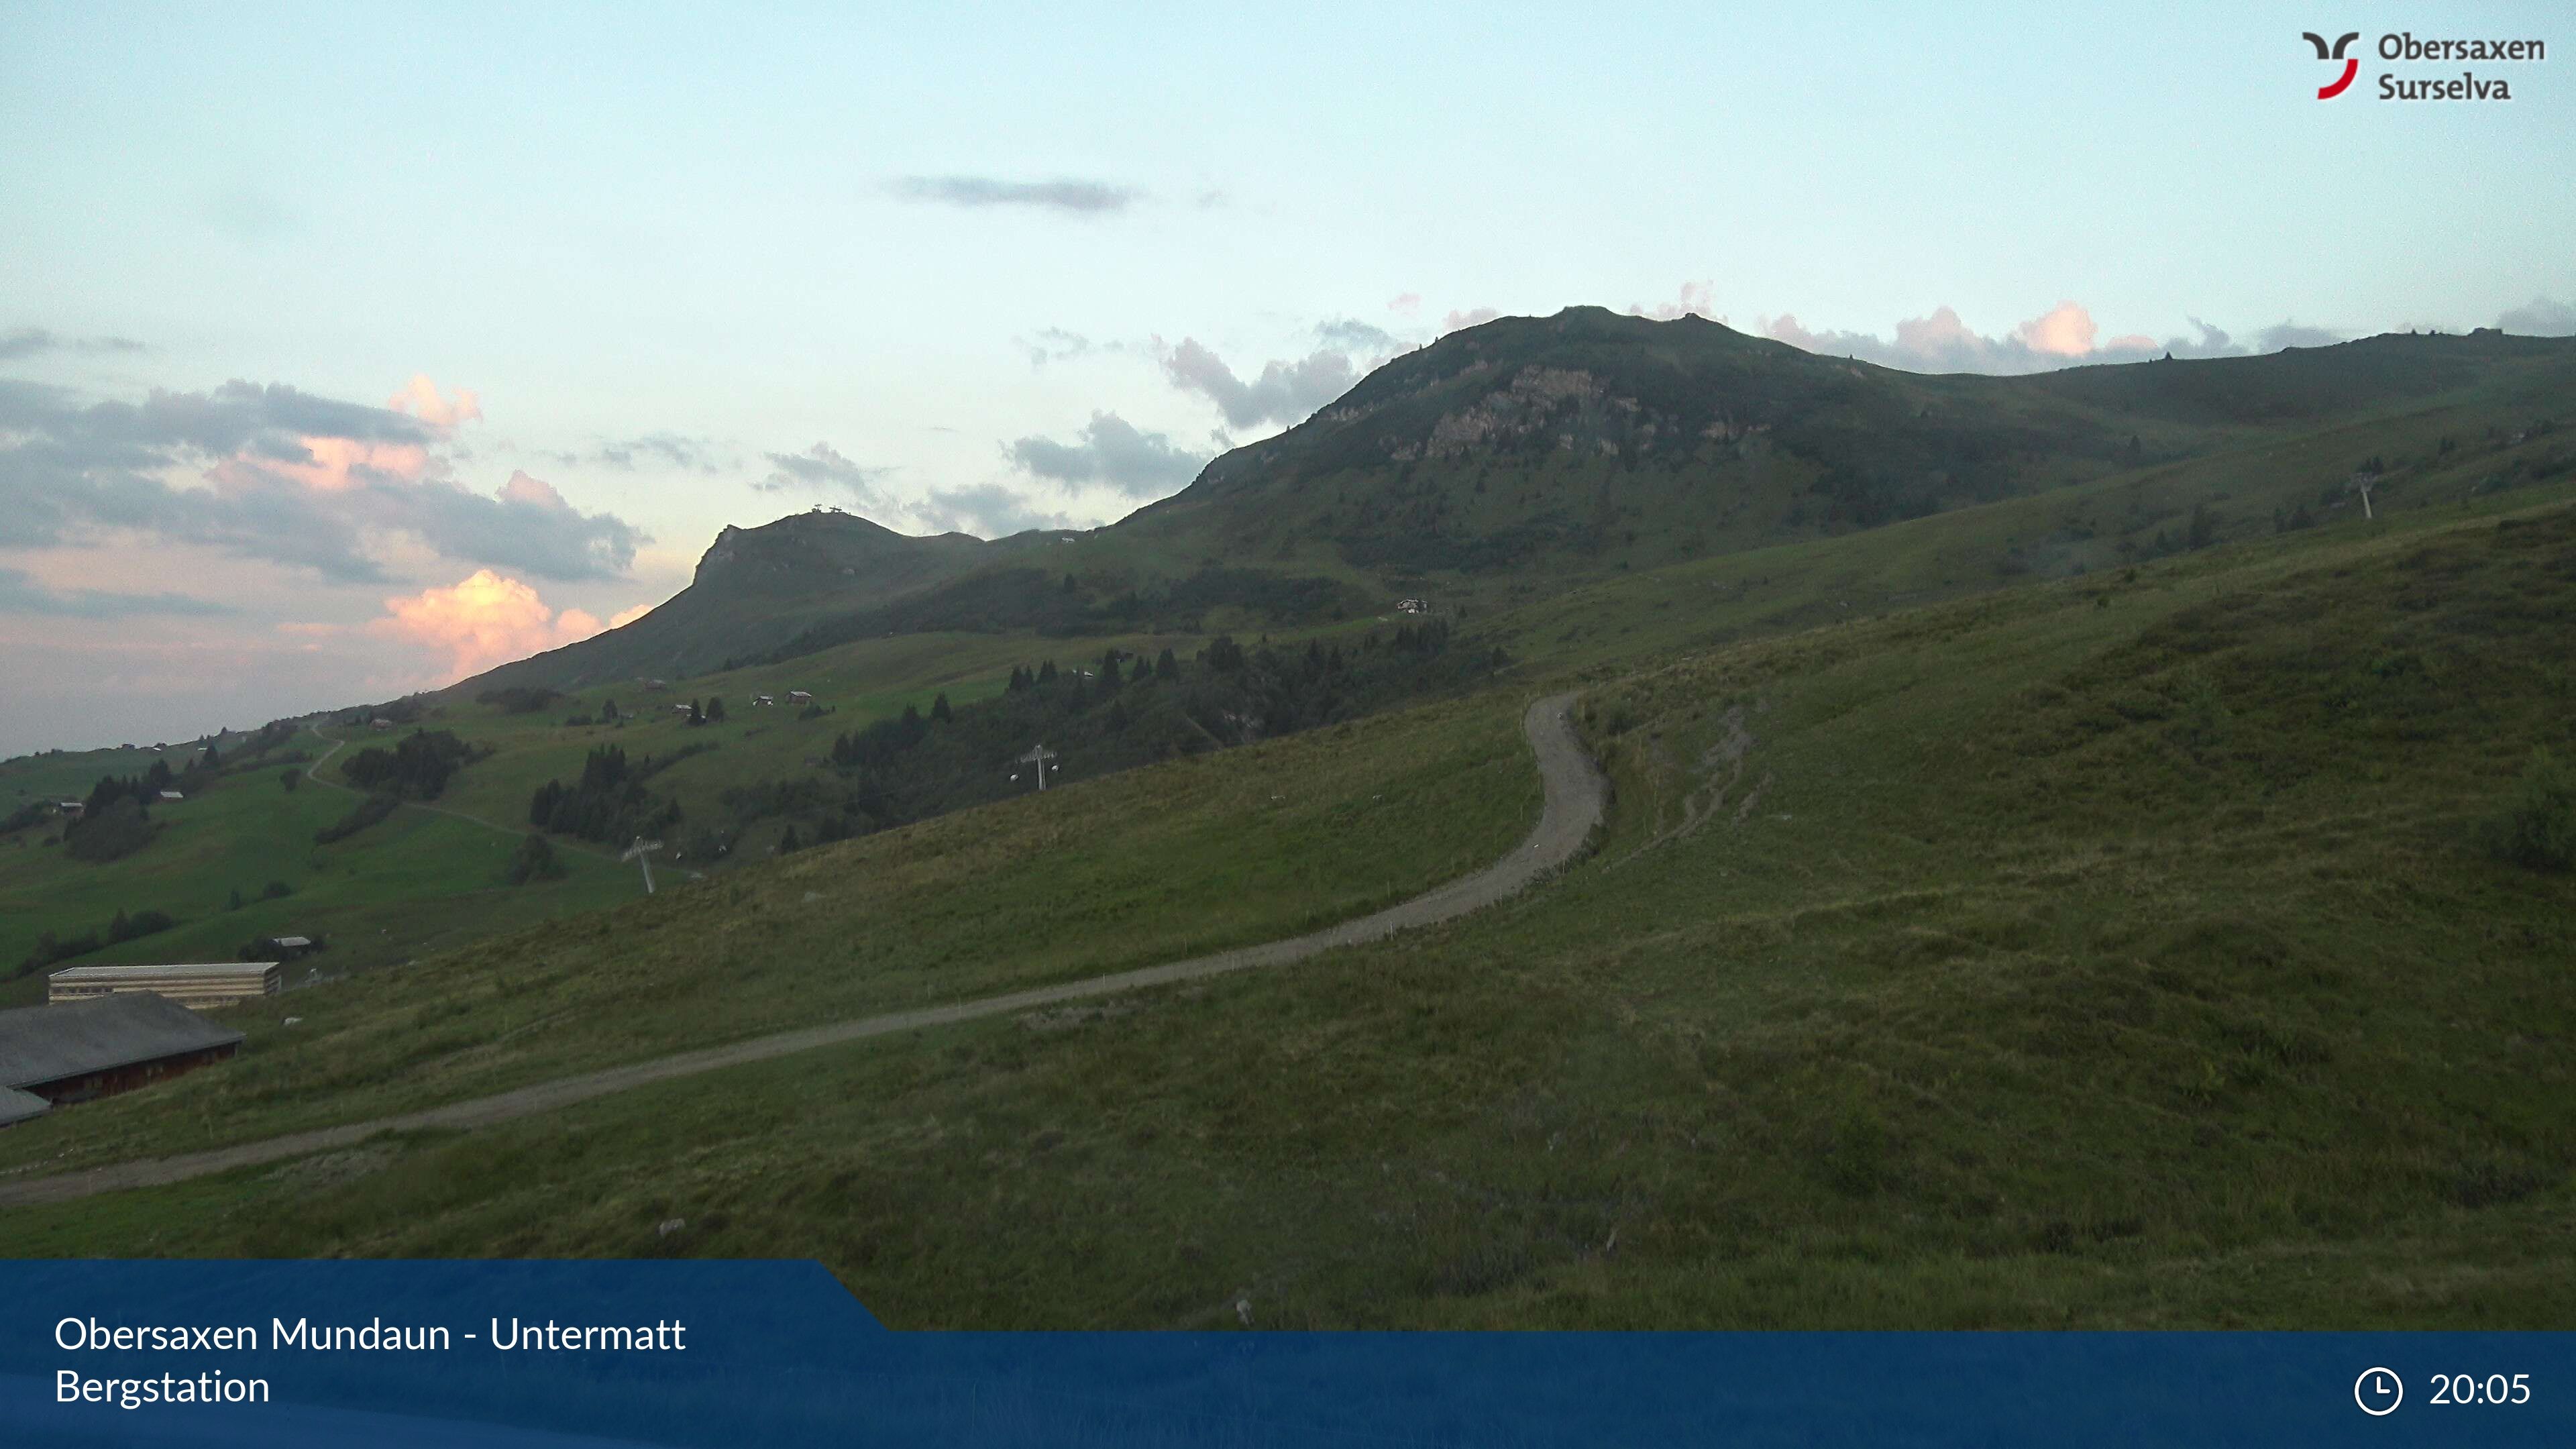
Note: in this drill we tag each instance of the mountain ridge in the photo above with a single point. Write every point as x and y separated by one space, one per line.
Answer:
1515 457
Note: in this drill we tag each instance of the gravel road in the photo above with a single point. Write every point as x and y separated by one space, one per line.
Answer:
1576 801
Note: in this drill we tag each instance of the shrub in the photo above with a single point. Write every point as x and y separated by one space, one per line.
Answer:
518 699
2538 829
141 923
534 860
111 833
49 950
276 890
367 812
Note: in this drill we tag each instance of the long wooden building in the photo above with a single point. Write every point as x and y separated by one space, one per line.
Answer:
203 986
54 1055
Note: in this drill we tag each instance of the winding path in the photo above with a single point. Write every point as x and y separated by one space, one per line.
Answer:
1576 802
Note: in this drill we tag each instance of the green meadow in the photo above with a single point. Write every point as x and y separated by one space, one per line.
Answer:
2127 948
1201 855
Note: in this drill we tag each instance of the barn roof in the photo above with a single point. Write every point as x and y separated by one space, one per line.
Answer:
49 1043
247 971
17 1106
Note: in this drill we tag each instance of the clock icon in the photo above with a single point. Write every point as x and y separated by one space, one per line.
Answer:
2378 1392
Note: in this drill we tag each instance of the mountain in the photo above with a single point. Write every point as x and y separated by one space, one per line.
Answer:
1518 458
755 589
1590 440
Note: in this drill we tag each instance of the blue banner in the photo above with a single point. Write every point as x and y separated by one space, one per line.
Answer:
779 1354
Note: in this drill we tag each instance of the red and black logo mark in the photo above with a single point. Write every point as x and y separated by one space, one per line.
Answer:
2351 67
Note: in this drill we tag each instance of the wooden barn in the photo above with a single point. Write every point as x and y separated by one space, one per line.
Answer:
58 1055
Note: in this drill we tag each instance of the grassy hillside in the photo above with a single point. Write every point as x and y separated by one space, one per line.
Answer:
425 881
2119 950
415 882
1200 855
2458 426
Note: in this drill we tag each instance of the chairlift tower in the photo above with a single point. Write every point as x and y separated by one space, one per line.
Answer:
641 852
1038 755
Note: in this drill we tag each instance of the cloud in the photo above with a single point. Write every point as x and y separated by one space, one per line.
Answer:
284 476
29 341
1473 317
658 450
2065 330
987 510
2540 317
1073 197
624 617
2063 336
822 467
1054 344
21 594
1352 335
1695 299
2286 333
1404 304
1285 392
1113 451
483 620
532 493
420 398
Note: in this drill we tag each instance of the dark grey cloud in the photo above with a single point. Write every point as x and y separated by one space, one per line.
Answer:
286 476
30 341
1285 392
2540 317
663 450
20 594
822 468
1113 451
552 541
1075 197
987 510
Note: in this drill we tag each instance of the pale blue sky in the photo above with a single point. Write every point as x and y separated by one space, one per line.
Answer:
625 223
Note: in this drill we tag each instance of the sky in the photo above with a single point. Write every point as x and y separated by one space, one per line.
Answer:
346 352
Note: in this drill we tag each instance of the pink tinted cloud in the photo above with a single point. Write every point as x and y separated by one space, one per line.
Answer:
1405 304
1472 317
330 465
2065 330
1940 341
483 620
420 398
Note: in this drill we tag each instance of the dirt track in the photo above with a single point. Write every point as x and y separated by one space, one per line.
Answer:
1575 803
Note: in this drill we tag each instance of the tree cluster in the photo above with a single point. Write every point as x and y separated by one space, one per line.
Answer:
609 803
415 769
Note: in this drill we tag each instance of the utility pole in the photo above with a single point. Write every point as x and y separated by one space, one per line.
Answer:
641 852
1038 756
